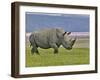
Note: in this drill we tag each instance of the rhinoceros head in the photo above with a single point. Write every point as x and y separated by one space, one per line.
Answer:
67 41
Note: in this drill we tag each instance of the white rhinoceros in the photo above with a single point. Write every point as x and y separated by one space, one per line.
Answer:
50 38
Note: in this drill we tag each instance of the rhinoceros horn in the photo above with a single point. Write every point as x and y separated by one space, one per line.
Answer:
68 33
64 33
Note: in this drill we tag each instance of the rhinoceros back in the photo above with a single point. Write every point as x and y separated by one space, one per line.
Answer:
43 38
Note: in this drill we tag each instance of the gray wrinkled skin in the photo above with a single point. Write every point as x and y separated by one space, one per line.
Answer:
50 38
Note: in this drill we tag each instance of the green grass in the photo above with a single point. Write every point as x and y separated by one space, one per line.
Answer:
76 56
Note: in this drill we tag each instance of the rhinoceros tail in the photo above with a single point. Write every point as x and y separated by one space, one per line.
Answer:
30 39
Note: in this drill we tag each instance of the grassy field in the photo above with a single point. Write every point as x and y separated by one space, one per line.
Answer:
75 56
78 55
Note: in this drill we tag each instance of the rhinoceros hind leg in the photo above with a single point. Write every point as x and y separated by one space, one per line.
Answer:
32 51
36 51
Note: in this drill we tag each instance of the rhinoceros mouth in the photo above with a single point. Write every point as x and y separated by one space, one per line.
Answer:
69 44
73 41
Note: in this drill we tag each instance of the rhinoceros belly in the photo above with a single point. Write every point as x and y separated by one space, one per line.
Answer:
42 41
43 45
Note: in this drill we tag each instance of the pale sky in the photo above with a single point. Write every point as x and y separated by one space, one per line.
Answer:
69 22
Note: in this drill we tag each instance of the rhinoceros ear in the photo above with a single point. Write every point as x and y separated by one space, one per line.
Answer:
68 33
64 33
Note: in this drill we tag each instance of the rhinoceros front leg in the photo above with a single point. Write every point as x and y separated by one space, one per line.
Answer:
55 47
